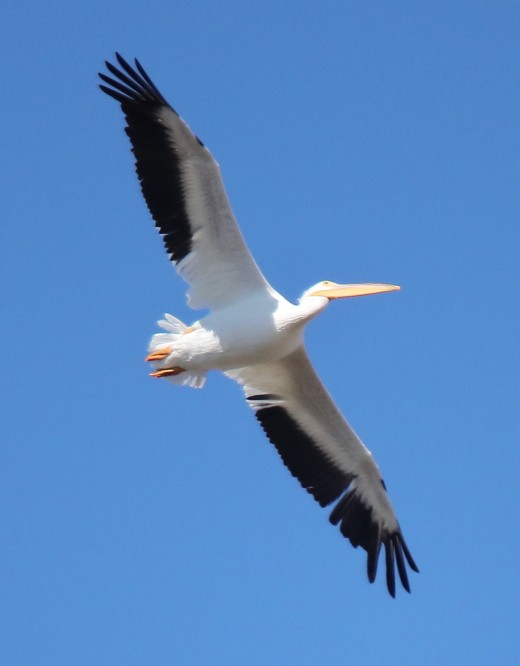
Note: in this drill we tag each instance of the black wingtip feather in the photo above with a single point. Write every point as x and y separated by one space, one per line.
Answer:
110 92
401 567
390 567
137 86
408 556
373 555
126 94
148 80
123 63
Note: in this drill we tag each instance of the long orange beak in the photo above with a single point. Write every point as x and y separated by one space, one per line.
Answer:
350 290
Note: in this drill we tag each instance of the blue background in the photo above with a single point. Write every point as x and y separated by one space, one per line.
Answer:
143 523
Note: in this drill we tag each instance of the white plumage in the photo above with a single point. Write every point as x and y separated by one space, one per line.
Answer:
252 333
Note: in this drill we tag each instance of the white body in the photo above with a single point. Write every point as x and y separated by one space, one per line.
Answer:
263 328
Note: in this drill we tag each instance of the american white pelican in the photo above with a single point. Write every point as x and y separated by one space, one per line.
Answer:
252 333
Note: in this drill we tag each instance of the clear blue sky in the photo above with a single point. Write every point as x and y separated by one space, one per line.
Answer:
143 523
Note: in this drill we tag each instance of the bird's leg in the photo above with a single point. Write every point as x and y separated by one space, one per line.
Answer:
167 372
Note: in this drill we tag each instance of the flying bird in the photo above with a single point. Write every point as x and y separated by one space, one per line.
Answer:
252 333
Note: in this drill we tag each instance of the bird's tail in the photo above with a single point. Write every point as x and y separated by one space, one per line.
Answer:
162 342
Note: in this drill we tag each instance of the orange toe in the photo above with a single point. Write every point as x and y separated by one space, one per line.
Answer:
167 372
159 354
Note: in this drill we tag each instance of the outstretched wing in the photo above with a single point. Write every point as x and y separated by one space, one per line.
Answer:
183 189
326 456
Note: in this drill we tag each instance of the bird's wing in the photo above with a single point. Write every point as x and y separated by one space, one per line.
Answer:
326 456
183 189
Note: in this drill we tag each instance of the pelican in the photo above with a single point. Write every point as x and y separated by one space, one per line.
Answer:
252 333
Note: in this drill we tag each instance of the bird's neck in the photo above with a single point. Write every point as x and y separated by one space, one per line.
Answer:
309 306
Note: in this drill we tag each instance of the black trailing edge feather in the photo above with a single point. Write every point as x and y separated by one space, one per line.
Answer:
302 457
157 164
326 483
